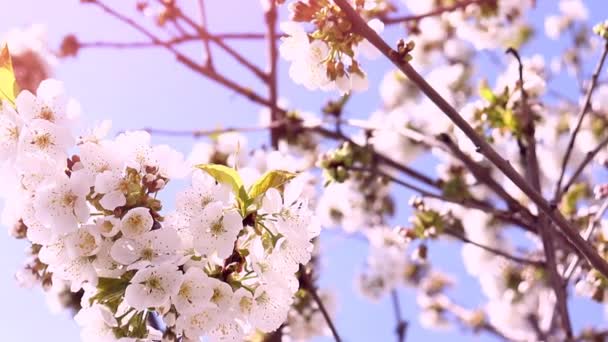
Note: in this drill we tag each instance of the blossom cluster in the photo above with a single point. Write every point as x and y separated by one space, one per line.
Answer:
223 264
328 58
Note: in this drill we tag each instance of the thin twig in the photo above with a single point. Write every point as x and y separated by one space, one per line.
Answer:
571 233
136 45
581 116
310 287
210 74
387 161
593 223
220 43
401 328
588 158
207 132
203 15
517 259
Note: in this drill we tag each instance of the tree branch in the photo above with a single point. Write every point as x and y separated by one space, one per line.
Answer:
210 74
310 287
545 227
204 34
571 233
517 259
203 15
581 116
273 58
402 324
588 158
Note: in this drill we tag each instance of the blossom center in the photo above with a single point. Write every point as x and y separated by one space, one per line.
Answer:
43 141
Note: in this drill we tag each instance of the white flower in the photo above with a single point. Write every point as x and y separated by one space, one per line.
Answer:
216 230
26 278
194 292
136 150
151 248
10 129
49 104
554 25
136 222
153 286
209 319
104 264
170 162
107 226
113 186
307 67
62 204
204 191
599 100
270 308
83 243
44 137
97 324
221 293
100 157
195 325
574 9
234 145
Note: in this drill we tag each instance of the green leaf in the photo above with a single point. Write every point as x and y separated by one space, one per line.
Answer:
223 174
8 84
271 179
228 175
486 93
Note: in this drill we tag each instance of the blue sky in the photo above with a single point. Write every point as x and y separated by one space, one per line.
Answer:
146 88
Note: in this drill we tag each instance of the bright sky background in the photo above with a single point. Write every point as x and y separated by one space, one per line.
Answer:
146 88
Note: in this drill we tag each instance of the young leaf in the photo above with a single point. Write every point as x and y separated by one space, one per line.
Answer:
486 93
271 179
226 175
8 84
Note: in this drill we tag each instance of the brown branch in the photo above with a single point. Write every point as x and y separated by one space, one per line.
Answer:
273 59
203 15
220 43
402 324
545 227
387 161
483 175
202 133
517 259
440 10
469 203
307 284
136 45
571 233
581 116
593 223
588 158
210 74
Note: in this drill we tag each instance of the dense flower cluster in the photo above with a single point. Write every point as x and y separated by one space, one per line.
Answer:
223 264
327 58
